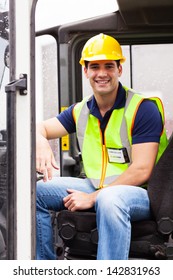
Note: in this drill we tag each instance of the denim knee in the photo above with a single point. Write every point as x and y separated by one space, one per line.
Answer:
111 199
106 199
129 200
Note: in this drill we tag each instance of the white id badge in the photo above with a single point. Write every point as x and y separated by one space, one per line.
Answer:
118 155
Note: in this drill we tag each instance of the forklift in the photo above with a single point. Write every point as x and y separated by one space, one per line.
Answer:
145 31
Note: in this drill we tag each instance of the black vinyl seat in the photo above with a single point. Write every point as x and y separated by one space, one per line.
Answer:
151 239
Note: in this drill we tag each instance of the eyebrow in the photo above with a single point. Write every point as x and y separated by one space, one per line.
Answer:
107 63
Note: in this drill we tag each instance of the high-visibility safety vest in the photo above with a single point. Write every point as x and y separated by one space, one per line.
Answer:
102 154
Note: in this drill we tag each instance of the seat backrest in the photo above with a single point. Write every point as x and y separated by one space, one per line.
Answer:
160 188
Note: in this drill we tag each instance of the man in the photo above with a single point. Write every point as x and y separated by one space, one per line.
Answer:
121 136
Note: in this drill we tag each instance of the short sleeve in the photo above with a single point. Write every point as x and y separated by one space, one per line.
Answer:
148 123
66 119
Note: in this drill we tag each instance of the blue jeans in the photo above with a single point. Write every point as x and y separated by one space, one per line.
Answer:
115 208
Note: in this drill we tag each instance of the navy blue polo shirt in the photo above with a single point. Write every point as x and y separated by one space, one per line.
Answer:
147 126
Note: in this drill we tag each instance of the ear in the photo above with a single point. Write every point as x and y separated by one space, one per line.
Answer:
86 72
120 70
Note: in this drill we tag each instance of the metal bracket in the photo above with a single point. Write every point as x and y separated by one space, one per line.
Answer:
20 84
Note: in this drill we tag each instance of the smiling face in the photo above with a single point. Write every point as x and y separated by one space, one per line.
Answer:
103 76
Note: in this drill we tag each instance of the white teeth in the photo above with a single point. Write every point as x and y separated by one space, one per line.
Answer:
102 82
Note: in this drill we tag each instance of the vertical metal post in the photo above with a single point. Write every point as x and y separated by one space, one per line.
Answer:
21 132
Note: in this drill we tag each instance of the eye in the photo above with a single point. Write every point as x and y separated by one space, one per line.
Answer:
110 66
94 66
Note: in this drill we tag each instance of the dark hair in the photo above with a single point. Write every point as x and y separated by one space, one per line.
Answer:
86 63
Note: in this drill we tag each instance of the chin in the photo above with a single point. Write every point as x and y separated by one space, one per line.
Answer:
103 93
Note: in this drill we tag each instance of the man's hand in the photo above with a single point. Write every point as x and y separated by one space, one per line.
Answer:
47 130
45 161
77 200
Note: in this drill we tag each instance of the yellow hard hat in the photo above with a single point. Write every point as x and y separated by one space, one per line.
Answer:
101 47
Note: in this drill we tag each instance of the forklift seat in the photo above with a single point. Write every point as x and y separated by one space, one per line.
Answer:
151 239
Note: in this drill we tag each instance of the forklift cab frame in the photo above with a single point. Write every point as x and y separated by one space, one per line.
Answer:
137 26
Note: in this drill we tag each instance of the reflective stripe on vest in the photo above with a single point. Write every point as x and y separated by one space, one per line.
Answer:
118 134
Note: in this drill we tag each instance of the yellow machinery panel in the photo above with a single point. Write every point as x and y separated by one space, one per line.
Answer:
64 139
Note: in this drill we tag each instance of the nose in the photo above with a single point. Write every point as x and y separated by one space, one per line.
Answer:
102 72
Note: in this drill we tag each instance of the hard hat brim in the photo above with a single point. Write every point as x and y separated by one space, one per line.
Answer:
102 57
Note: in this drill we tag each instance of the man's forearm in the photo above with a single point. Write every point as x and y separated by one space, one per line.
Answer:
134 176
